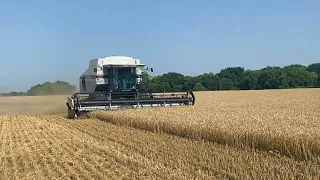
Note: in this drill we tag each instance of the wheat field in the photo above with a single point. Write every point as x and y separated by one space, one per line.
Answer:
271 134
283 121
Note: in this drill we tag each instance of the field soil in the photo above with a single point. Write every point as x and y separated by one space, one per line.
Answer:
201 142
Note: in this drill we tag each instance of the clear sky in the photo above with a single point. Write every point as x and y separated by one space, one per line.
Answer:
54 40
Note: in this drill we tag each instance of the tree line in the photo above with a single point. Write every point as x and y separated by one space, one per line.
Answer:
47 88
237 78
230 78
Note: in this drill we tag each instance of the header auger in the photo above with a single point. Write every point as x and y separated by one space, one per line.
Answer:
114 83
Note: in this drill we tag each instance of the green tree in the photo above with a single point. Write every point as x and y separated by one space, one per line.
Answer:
227 84
234 74
13 93
315 68
48 88
172 82
283 80
145 80
299 76
189 83
210 81
199 87
250 80
269 78
158 84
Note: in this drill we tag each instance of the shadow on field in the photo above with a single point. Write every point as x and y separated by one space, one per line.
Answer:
300 149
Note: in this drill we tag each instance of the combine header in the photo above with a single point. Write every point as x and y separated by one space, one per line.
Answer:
115 83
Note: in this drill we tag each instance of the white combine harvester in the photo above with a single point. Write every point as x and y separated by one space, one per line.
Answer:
114 83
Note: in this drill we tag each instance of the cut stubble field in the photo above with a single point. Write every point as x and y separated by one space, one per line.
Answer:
271 134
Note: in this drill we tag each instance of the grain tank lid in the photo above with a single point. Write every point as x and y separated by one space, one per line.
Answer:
121 61
124 65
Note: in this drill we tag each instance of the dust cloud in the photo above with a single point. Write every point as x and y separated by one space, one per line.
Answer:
33 105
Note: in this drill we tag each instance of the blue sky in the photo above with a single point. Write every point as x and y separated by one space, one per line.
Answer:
54 40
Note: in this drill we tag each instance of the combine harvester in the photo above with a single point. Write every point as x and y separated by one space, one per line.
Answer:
115 83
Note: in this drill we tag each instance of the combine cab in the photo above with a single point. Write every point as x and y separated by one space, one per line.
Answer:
114 83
